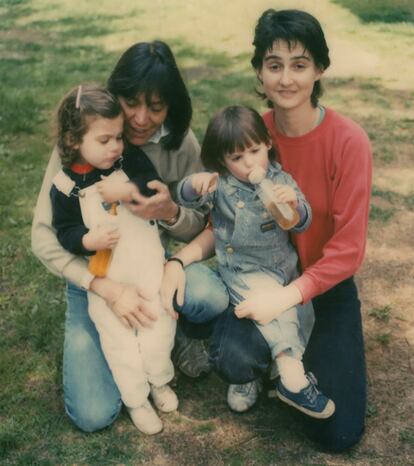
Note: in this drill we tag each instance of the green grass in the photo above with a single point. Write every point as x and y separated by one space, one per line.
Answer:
380 313
40 60
386 11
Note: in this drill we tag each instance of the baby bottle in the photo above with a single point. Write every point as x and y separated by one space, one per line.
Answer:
284 214
99 263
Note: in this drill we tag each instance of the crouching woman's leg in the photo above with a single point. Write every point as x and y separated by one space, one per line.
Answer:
238 351
335 354
92 399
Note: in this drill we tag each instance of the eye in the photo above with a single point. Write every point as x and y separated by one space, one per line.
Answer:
300 66
104 141
274 66
131 102
119 137
158 107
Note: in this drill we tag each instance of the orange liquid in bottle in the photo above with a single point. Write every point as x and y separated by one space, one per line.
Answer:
284 214
99 263
279 212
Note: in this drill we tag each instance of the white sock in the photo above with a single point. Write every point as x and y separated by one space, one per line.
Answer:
292 373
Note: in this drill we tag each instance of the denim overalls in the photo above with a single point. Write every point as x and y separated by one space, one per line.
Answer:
253 251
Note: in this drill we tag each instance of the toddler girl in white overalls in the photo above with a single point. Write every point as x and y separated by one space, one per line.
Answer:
90 124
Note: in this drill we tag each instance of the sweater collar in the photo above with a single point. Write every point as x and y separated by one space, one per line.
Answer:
82 169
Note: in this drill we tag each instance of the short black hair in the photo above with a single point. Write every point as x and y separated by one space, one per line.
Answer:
150 68
232 129
291 26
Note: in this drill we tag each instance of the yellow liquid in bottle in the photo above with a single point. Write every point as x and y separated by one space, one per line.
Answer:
99 263
286 216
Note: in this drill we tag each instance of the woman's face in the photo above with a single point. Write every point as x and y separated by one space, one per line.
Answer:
142 120
288 75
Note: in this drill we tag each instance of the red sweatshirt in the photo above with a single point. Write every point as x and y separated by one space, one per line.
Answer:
332 164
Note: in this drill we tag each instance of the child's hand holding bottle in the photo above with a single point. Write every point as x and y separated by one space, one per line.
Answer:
286 194
278 199
101 237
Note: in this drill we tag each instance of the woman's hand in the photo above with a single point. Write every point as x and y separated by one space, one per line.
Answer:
130 305
173 281
160 206
267 304
286 194
133 307
101 237
112 191
204 182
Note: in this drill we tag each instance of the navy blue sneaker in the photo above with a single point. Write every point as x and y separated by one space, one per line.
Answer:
309 400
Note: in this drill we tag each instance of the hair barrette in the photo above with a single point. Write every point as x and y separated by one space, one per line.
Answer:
78 96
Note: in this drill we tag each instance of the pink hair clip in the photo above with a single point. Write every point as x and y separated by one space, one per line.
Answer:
78 96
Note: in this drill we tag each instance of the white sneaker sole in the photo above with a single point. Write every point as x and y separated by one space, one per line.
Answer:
328 411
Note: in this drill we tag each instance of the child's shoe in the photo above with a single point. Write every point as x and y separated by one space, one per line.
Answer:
309 400
242 397
164 398
146 419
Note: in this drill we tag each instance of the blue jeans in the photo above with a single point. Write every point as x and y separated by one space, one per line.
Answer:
92 399
335 354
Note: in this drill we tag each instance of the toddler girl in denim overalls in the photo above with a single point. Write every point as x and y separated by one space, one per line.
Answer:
253 252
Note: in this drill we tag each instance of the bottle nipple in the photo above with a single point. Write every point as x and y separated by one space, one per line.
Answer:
257 175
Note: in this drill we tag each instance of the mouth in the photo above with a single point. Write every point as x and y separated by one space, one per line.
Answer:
112 160
284 93
139 131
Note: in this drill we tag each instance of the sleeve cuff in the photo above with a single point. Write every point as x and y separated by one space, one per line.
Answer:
307 288
86 280
176 224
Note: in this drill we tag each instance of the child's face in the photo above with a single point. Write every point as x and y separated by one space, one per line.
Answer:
241 163
102 144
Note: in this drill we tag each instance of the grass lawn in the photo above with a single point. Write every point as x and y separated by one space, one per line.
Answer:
387 11
47 47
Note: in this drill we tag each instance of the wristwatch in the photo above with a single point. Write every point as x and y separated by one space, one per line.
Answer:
173 220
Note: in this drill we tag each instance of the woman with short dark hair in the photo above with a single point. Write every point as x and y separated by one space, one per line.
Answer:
329 157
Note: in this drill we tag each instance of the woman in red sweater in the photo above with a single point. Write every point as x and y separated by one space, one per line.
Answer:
329 156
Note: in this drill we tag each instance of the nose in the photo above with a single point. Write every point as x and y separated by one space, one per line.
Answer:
117 145
141 115
249 162
285 77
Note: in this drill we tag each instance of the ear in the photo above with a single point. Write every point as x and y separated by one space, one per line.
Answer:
259 75
319 73
70 142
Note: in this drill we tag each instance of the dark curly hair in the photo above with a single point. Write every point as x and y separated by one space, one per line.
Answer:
232 129
73 122
291 26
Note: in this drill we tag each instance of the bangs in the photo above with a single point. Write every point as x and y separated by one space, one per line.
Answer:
238 137
153 81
